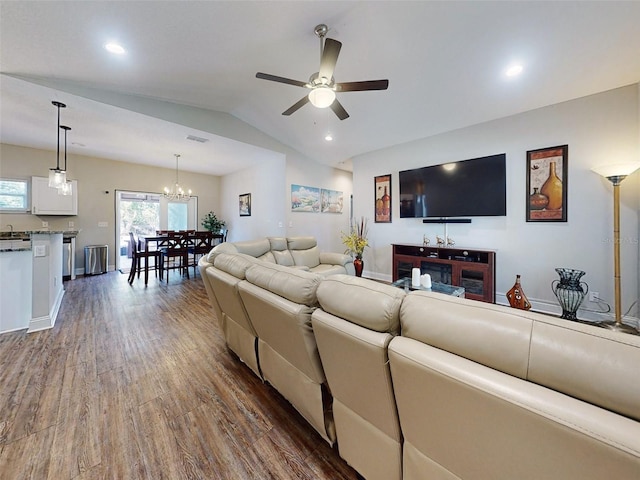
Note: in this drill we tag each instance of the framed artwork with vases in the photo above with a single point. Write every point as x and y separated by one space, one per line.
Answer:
547 184
382 186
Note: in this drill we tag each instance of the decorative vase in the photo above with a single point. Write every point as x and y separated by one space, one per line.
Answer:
537 201
379 205
570 291
386 203
516 297
552 189
359 265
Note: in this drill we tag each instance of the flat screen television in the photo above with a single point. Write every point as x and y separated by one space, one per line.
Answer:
467 188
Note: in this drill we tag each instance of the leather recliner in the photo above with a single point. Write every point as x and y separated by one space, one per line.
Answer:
356 322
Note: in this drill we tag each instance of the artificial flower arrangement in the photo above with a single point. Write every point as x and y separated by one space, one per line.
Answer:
356 240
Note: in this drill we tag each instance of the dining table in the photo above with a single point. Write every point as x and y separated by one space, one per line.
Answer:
196 242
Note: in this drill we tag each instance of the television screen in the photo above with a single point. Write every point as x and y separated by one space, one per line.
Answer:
468 188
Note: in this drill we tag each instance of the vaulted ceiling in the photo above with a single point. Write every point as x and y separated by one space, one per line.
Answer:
445 62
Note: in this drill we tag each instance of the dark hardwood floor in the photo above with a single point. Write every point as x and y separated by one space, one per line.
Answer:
137 383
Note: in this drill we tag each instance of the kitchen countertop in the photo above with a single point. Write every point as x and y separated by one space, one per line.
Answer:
21 241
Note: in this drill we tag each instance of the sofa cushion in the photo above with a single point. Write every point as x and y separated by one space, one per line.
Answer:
255 248
370 304
221 248
304 251
234 264
293 284
278 243
592 364
325 269
582 361
493 335
301 243
279 251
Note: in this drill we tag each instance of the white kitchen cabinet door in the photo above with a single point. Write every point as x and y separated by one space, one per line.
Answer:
46 201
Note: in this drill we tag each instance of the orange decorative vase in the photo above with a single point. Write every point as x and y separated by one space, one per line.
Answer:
359 265
552 189
537 201
516 297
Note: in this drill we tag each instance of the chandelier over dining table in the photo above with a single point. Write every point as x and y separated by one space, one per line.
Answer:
176 192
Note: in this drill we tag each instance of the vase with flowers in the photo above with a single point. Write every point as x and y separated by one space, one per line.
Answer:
356 242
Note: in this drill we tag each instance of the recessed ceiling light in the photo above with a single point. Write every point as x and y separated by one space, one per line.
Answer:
328 137
115 48
513 71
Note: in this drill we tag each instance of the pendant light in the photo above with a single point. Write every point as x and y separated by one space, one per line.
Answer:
67 187
177 193
57 177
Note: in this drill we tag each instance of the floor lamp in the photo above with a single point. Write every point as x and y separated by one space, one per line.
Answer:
615 173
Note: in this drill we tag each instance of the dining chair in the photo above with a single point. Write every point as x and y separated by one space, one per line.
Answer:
174 253
201 244
137 254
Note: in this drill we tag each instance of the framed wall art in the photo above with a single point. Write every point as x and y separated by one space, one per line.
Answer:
305 199
245 204
331 201
547 184
382 191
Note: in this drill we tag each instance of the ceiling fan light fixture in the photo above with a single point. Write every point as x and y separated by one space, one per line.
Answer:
322 96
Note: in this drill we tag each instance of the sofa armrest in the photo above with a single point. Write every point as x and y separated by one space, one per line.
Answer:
332 258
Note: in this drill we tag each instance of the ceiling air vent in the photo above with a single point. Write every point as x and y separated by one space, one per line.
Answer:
197 139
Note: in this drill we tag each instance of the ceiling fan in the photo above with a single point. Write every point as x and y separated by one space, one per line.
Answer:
322 84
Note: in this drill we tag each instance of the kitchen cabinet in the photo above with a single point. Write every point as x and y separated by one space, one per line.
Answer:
472 269
46 201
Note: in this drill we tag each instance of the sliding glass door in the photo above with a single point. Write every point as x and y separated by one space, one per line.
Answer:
143 213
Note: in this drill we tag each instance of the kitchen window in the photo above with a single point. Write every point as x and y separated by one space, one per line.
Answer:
14 195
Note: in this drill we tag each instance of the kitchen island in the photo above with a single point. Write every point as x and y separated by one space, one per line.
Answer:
31 288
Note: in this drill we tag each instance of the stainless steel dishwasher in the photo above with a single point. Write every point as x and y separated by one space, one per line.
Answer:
68 258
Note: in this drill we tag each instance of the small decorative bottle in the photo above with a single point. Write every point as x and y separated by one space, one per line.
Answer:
516 297
386 203
379 206
552 189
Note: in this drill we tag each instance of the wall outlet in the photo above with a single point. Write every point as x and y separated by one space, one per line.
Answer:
594 296
103 224
72 224
45 224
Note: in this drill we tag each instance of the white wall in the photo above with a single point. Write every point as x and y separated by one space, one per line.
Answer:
265 184
598 129
326 227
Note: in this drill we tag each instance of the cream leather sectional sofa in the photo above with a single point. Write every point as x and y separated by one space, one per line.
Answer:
427 386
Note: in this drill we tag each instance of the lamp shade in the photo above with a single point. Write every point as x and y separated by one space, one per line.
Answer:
322 96
616 169
57 177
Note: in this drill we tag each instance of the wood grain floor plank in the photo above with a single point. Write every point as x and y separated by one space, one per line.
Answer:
76 447
136 382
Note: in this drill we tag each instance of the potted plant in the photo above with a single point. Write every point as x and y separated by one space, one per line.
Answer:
210 222
356 242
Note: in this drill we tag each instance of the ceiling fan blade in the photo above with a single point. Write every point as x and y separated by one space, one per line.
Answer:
329 58
299 104
339 110
275 78
362 86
